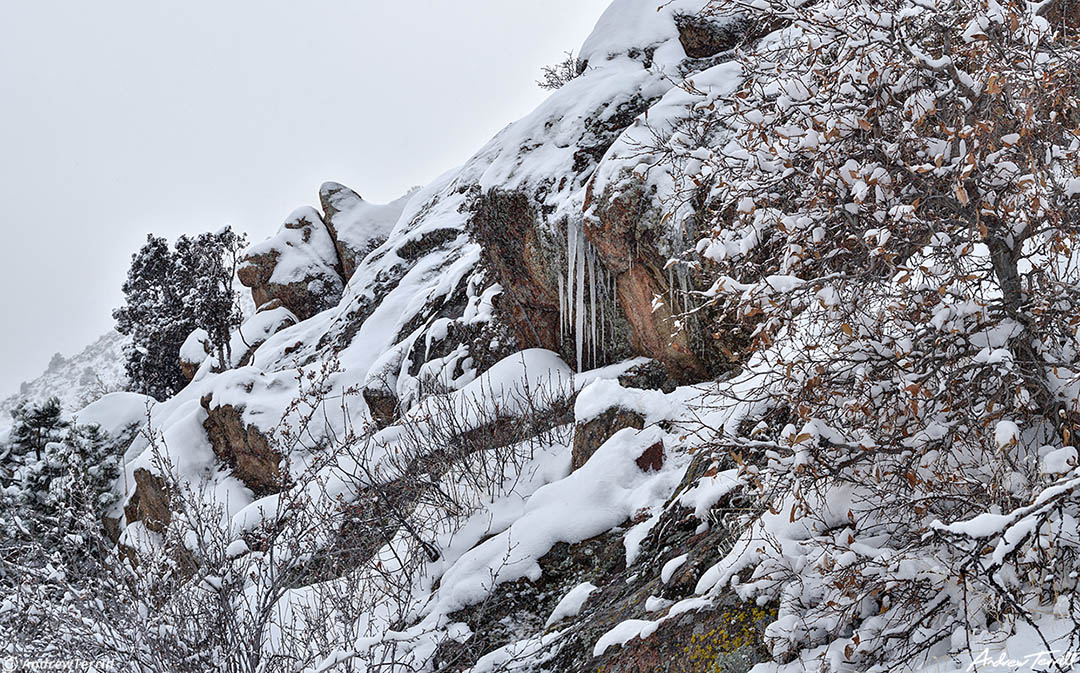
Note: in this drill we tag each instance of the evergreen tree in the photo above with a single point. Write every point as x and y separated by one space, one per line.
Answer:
153 317
36 426
171 292
51 504
83 456
209 260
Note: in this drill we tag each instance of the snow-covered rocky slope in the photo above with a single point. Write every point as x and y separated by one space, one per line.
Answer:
76 381
484 300
487 428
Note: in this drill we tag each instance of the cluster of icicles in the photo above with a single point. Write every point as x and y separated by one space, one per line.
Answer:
586 299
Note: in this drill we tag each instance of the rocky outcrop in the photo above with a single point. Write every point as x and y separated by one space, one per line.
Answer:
193 353
357 227
652 458
649 375
188 368
727 637
430 241
149 505
268 321
244 448
721 640
516 253
299 266
515 250
625 230
271 319
589 435
702 37
149 502
382 404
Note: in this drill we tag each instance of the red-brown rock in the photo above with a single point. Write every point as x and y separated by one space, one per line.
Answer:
244 448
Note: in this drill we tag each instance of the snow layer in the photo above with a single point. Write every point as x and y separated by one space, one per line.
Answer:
606 491
303 248
570 605
359 225
604 394
116 412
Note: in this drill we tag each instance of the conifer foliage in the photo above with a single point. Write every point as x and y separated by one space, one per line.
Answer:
56 479
36 425
170 293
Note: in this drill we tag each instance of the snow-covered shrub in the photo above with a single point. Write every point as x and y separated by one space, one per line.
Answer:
556 75
475 439
337 556
895 198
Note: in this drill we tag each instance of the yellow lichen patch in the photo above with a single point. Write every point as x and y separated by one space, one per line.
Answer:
731 645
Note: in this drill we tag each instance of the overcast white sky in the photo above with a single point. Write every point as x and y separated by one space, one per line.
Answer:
123 117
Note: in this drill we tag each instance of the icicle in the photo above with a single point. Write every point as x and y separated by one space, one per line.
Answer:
602 291
592 304
571 259
671 291
684 283
614 303
579 304
609 324
562 309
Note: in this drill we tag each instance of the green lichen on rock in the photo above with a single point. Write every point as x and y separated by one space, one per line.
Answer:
733 645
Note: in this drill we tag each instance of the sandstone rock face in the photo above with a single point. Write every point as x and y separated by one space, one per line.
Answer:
149 503
652 458
189 368
625 232
357 227
382 404
299 266
244 448
517 257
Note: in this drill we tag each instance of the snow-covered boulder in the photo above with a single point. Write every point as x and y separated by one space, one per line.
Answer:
116 413
299 266
357 227
193 352
243 446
